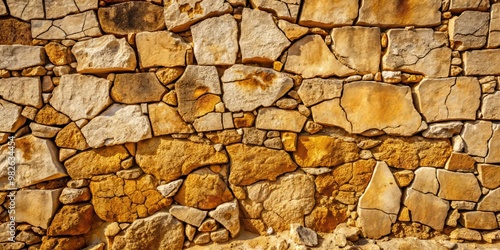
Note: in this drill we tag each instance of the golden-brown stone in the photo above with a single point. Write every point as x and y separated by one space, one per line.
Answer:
72 220
49 116
58 54
96 161
71 137
460 162
324 151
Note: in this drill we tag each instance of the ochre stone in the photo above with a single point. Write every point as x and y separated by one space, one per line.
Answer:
96 161
325 151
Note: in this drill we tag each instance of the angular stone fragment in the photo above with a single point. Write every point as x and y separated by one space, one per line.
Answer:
469 30
49 116
448 98
71 137
117 125
465 234
189 215
292 31
316 90
324 151
72 220
490 202
250 164
137 88
216 41
479 220
81 96
43 131
166 120
168 159
443 130
58 54
481 62
284 9
490 107
70 27
458 186
228 214
476 136
494 146
303 235
319 13
310 57
425 180
131 17
103 55
427 209
74 195
208 122
13 119
99 161
494 31
460 162
36 161
26 9
391 13
420 51
161 48
14 31
489 175
46 203
170 189
461 5
179 15
257 46
281 120
18 57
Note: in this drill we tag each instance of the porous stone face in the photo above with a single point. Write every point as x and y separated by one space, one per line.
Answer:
22 90
58 54
137 88
180 15
13 31
46 203
161 48
26 9
216 41
448 98
246 88
72 220
99 161
313 91
70 27
489 175
318 150
103 55
18 57
253 163
420 51
389 13
458 186
131 17
319 13
71 137
427 208
166 120
49 116
257 46
168 159
494 31
278 119
469 30
481 62
461 5
490 107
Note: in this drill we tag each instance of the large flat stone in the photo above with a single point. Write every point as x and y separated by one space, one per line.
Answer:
284 9
479 220
22 90
18 57
461 5
316 90
161 48
137 88
476 135
458 186
469 30
99 161
393 13
490 202
494 31
26 9
74 26
427 209
279 119
489 175
319 13
131 17
324 151
490 107
481 62
46 203
180 15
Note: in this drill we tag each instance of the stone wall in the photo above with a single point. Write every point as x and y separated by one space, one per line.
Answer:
164 124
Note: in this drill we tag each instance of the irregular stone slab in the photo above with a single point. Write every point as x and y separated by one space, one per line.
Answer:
72 220
246 88
196 90
166 120
131 17
461 5
469 30
281 120
479 220
58 54
358 48
96 162
228 214
163 230
460 162
161 48
465 234
319 13
427 209
491 202
104 55
26 9
330 113
18 57
216 41
481 62
170 189
443 130
490 107
458 186
324 151
179 15
476 136
137 88
60 8
117 125
316 90
310 57
494 146
494 31
168 159
421 51
74 195
70 27
81 96
391 13
46 203
208 122
189 215
250 164
257 46
425 180
22 90
489 175
49 116
43 131
284 9
14 31
455 98
292 31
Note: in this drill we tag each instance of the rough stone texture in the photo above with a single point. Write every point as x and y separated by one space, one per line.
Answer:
469 30
278 119
490 202
46 203
168 159
180 15
18 57
313 91
420 51
443 130
61 8
390 13
303 235
58 54
479 220
250 164
71 137
461 162
70 27
319 13
137 88
292 31
494 146
13 31
228 215
461 5
49 116
481 62
465 234
131 17
425 180
490 107
476 135
216 41
74 195
494 31
117 125
14 120
22 90
284 9
458 186
166 120
316 151
72 220
448 98
489 175
161 48
189 215
99 161
26 9
427 209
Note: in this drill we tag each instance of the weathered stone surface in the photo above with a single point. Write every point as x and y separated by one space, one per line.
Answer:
208 122
284 9
413 152
103 55
162 229
58 54
168 75
26 9
246 88
292 31
358 48
420 51
285 201
117 125
96 162
279 119
203 189
324 151
22 90
303 235
74 195
220 235
469 30
458 186
13 118
443 130
319 13
161 48
13 31
168 159
216 41
261 40
60 8
427 209
72 220
476 135
316 90
228 214
70 27
461 5
494 31
49 116
310 57
189 215
250 164
425 180
81 96
71 137
489 175
59 243
481 62
490 107
43 131
448 98
460 162
131 17
494 145
179 15
479 220
137 88
3 9
390 13
490 202
18 57
166 120
465 234
46 203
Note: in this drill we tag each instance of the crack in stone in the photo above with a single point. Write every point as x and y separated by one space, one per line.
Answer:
448 95
421 57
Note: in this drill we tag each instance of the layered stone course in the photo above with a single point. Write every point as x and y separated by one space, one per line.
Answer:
169 124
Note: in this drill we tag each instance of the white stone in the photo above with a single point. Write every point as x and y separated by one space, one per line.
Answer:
70 27
443 129
170 189
319 13
18 57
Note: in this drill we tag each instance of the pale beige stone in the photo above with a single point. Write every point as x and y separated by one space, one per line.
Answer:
330 113
489 175
281 120
313 91
494 146
490 202
18 57
208 122
479 220
323 151
476 136
161 48
228 214
284 9
427 208
189 215
46 203
3 9
43 131
425 180
70 27
26 9
458 186
166 120
443 129
137 88
390 13
57 9
74 195
490 107
461 5
465 234
481 62
469 30
22 90
494 31
292 31
180 15
319 13
170 189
